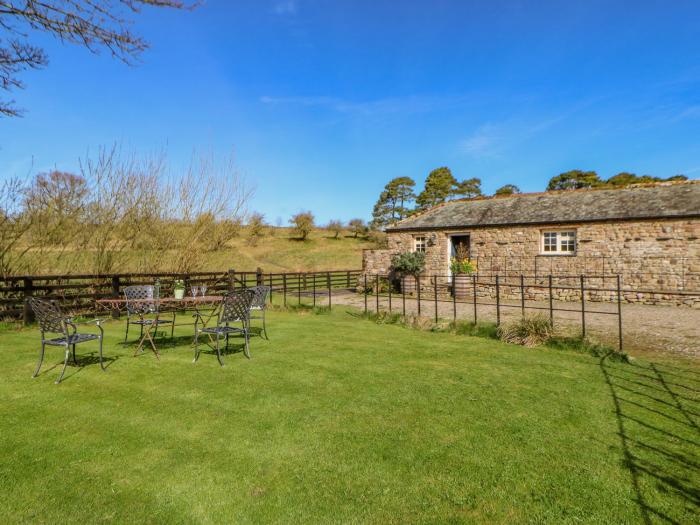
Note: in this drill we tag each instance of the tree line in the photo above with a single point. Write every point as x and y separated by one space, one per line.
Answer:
126 213
398 199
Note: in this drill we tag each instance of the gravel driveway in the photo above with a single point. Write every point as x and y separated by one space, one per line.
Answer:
645 328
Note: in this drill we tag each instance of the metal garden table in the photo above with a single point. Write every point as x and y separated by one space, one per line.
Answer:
205 307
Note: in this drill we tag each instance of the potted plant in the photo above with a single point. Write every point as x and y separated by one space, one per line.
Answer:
407 266
179 289
462 267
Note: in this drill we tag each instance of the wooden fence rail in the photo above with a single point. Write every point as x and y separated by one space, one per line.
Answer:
78 293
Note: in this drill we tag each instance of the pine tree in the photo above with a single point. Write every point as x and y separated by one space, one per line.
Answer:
439 186
393 202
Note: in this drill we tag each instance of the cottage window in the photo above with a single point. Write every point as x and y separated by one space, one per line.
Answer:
559 242
419 243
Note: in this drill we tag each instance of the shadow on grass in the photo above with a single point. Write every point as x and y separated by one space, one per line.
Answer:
658 437
83 361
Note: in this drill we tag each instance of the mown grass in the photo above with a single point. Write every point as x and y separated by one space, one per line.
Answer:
339 420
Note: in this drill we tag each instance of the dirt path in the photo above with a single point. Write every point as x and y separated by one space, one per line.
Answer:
666 329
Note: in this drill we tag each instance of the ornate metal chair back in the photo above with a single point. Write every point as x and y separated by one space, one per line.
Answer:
48 315
139 300
260 294
236 306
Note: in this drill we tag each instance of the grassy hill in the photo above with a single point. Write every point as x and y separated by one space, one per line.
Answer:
277 250
283 252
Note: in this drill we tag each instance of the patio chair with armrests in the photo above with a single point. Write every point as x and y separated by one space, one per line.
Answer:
259 304
52 321
235 308
141 303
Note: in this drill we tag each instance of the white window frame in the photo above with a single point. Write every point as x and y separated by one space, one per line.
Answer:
420 245
561 238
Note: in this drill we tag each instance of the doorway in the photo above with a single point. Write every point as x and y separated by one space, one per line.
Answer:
459 243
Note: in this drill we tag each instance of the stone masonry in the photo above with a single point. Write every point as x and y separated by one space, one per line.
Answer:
650 255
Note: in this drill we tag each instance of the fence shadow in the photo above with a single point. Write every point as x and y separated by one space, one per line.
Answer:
659 439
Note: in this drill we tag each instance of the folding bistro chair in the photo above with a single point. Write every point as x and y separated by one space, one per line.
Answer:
140 303
52 320
259 304
235 308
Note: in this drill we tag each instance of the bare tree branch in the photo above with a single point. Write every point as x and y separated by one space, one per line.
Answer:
93 24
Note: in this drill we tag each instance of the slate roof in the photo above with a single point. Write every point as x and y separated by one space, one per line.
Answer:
638 202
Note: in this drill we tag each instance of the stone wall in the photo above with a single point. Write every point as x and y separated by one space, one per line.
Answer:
659 255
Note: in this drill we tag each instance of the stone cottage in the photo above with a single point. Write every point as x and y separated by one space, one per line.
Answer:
649 234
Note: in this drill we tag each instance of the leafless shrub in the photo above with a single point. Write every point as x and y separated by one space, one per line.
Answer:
14 226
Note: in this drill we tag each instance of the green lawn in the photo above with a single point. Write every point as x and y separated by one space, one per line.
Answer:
340 420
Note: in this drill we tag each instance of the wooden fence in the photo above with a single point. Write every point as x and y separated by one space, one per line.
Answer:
78 293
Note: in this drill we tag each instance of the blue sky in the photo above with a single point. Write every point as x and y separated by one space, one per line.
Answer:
323 101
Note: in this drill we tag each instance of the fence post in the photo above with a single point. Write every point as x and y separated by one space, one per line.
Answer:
270 283
28 313
377 291
498 301
313 289
284 288
522 294
418 290
583 309
403 298
389 294
436 301
231 279
364 292
328 282
619 311
299 287
258 276
474 298
551 305
115 295
454 302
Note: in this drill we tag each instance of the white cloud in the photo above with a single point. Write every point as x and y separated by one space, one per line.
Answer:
484 142
285 7
382 106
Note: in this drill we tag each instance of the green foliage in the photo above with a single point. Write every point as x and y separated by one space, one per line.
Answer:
438 188
462 266
440 185
587 346
178 284
408 263
533 330
487 330
625 179
577 179
468 188
303 223
574 180
508 189
393 203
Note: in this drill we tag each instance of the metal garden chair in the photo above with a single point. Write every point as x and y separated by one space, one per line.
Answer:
235 308
259 304
140 303
53 321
